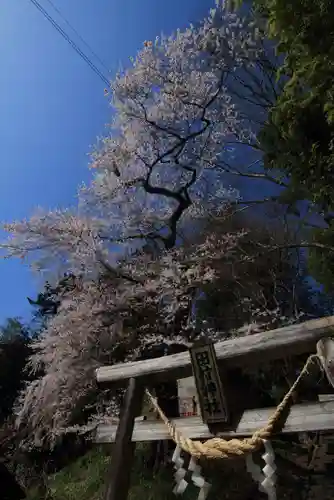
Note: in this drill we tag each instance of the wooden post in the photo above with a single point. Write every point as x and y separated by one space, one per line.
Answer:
122 456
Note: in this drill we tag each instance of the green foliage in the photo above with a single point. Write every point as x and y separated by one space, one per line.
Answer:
321 261
12 330
48 301
86 480
298 138
14 353
300 130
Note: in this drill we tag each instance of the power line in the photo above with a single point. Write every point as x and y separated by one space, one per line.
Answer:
78 35
70 41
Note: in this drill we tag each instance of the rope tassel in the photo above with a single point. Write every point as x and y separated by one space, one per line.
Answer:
266 478
221 448
196 477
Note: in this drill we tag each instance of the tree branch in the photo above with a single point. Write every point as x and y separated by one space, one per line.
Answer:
115 273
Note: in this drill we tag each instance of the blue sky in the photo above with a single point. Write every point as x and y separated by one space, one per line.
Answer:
52 105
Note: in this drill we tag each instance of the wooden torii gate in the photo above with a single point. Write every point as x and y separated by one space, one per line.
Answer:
245 351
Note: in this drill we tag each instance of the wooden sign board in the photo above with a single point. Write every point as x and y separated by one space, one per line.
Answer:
209 386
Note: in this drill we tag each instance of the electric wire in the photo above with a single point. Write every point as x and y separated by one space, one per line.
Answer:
71 42
97 57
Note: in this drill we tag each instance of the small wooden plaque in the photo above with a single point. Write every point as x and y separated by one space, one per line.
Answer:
208 383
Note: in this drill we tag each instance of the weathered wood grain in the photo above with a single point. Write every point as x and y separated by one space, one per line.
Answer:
118 480
273 344
302 418
323 398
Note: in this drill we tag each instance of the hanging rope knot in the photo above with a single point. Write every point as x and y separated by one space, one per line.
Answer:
221 448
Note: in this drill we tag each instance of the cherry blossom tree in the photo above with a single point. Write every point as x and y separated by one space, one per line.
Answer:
180 111
110 320
178 115
175 120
